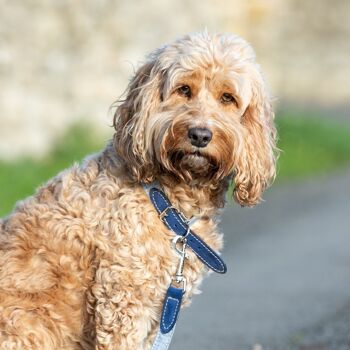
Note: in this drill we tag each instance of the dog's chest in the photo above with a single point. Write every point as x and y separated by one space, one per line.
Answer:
139 260
141 245
136 261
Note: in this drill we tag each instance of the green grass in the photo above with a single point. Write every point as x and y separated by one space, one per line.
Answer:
19 179
310 146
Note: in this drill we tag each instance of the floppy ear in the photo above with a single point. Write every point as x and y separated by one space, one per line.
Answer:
143 98
256 167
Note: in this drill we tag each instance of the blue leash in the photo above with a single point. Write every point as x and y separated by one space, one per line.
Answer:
181 226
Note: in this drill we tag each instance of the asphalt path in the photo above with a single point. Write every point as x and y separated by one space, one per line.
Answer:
288 280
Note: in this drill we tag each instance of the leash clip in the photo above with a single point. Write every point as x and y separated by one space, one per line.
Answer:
179 277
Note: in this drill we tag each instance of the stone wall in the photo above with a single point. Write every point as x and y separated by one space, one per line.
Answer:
64 61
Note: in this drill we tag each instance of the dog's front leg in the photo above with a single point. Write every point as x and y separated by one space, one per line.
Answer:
121 318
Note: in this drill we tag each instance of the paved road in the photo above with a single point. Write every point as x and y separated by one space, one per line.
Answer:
289 278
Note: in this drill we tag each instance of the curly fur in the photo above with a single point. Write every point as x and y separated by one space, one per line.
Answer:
85 262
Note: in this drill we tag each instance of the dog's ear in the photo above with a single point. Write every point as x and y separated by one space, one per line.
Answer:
256 166
143 97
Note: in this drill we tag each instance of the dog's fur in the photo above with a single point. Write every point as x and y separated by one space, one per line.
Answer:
86 261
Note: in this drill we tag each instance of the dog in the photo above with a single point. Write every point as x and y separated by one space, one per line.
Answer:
86 262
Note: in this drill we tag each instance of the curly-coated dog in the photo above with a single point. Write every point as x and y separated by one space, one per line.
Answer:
86 262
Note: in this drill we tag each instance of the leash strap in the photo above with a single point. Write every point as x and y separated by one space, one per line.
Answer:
171 308
176 222
163 341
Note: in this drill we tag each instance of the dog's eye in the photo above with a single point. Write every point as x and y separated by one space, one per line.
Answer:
227 98
184 90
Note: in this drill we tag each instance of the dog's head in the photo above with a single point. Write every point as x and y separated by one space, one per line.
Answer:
199 110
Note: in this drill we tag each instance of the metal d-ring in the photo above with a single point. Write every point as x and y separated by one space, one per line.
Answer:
180 279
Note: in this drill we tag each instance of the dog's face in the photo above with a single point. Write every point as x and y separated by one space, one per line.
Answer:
199 111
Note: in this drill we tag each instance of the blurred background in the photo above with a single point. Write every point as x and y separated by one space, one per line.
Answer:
63 63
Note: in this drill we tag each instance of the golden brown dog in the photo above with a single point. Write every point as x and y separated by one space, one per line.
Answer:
85 262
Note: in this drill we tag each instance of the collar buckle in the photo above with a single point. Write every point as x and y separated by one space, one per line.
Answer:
164 213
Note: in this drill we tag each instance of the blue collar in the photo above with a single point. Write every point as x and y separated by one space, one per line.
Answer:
180 226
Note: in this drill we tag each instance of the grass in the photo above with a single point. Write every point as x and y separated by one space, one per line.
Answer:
20 178
310 146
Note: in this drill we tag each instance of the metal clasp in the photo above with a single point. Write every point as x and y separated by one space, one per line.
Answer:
176 241
164 212
179 281
179 277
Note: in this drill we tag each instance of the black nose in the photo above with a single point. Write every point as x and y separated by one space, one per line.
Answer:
199 137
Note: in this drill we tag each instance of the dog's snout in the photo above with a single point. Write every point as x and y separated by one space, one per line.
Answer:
200 137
